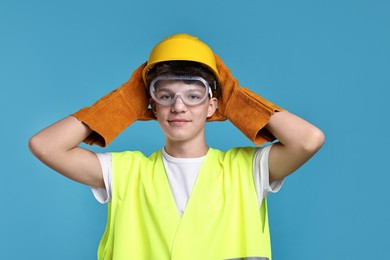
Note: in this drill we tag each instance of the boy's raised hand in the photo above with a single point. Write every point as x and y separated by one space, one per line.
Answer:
114 112
245 109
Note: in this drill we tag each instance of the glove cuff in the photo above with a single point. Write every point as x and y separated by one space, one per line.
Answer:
107 118
250 113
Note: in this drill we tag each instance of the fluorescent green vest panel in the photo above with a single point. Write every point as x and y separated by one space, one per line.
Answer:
222 219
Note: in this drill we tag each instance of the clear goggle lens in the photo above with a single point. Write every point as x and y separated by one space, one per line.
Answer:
191 90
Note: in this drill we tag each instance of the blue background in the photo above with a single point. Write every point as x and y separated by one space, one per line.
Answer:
326 61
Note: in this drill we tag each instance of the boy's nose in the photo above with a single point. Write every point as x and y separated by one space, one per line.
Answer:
178 105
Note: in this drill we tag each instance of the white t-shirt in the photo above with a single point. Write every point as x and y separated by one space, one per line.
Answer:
182 174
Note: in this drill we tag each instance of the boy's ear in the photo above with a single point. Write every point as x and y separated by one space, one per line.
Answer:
212 107
153 106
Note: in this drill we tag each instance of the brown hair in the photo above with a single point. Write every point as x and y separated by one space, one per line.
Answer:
183 68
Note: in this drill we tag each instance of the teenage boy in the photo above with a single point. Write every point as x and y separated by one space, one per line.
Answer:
187 200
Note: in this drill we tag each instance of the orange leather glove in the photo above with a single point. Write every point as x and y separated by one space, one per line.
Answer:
246 110
114 112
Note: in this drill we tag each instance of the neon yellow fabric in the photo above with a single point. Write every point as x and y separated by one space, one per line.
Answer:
222 219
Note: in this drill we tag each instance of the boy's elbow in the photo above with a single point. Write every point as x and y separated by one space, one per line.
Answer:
37 147
315 140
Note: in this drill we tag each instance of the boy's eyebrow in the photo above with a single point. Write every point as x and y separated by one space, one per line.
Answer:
192 89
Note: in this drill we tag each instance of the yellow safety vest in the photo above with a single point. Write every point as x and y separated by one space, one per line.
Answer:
222 219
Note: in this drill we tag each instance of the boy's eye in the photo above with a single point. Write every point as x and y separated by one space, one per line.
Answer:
165 97
193 97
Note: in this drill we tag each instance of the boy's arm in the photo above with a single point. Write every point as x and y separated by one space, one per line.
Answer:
262 121
57 147
298 142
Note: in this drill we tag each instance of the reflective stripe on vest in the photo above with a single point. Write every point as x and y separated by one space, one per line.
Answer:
221 220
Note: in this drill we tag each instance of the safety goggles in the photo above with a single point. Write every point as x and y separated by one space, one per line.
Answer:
191 90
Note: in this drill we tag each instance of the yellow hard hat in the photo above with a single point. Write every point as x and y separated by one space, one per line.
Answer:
181 47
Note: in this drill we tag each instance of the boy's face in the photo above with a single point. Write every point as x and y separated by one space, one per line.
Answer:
180 116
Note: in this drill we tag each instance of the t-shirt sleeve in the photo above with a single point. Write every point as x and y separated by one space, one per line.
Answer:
261 174
103 195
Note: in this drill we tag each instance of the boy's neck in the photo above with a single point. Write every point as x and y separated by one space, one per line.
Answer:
186 149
